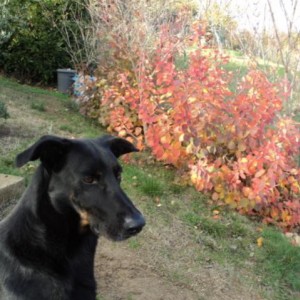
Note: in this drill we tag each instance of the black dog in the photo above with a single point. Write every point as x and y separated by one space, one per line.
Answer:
47 243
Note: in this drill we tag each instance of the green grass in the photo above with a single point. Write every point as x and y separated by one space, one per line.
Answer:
235 53
68 128
26 89
152 187
8 165
228 239
3 111
280 264
148 184
134 243
39 106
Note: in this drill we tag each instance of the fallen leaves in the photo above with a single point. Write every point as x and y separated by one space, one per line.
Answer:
259 242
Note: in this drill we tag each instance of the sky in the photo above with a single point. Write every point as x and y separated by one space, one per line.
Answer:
256 15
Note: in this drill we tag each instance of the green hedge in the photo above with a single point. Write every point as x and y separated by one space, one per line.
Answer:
31 46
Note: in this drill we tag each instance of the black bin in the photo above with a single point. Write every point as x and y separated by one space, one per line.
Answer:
65 80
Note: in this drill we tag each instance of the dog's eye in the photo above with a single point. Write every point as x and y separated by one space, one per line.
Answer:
90 179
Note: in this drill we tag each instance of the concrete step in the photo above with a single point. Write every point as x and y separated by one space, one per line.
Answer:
11 187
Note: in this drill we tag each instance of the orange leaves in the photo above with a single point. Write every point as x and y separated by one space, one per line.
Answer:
247 192
234 146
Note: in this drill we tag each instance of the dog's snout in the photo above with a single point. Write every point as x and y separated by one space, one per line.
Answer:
134 225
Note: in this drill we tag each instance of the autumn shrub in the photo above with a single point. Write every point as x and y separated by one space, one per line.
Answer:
125 30
232 144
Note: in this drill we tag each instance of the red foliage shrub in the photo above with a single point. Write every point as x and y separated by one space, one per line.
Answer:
234 145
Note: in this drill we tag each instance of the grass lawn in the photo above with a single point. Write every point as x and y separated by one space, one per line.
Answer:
189 249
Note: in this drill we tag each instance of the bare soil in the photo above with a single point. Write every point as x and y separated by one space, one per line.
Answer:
165 267
121 274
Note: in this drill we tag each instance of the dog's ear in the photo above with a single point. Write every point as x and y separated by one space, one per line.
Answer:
49 149
117 146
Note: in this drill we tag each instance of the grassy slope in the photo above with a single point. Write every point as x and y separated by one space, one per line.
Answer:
227 246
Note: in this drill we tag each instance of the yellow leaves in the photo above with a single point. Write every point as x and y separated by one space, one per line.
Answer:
210 169
295 187
252 92
229 199
165 96
101 83
285 215
219 192
189 149
191 99
181 137
216 214
122 133
244 160
260 242
194 177
219 188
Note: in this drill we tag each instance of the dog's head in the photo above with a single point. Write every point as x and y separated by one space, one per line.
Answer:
85 175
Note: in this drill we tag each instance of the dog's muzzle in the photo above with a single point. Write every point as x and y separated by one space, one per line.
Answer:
134 225
130 227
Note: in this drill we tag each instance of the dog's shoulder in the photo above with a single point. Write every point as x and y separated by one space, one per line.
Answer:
38 286
21 278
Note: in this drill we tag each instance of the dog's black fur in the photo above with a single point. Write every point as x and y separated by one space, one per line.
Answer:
48 242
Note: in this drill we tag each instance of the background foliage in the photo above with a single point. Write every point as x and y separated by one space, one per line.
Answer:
31 46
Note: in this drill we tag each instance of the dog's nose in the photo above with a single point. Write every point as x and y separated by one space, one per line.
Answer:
133 225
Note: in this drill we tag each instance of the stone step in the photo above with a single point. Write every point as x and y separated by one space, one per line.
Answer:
11 187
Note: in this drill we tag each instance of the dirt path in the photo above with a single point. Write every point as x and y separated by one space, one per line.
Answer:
123 275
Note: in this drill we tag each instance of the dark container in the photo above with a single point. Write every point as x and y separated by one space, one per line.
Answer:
65 80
